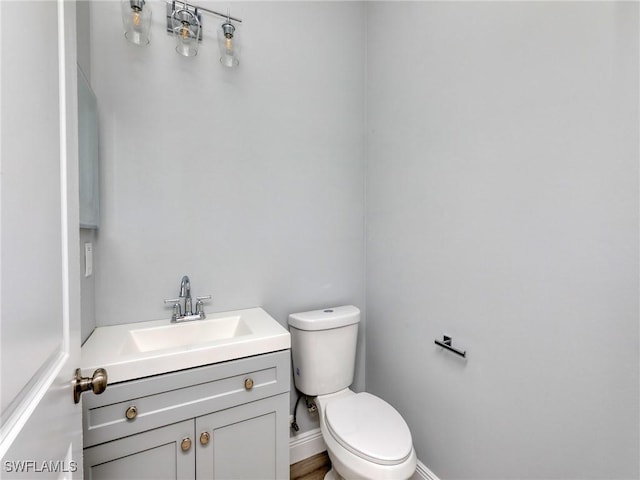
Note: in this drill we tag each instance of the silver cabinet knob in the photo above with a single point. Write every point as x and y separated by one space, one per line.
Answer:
132 412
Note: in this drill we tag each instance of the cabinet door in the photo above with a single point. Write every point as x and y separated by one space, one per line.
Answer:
155 454
249 441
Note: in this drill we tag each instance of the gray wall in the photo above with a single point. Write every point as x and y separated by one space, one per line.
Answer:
250 181
502 208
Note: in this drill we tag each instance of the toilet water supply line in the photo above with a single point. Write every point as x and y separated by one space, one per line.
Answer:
311 407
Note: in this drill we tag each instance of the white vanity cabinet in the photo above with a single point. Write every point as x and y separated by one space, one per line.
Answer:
222 421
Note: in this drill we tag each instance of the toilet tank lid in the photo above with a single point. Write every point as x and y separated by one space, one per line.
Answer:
326 318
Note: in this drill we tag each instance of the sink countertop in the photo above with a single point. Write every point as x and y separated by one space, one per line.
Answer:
107 347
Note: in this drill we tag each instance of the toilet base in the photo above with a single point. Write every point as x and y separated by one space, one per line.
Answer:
332 475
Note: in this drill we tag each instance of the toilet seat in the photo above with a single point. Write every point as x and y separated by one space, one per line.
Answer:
370 428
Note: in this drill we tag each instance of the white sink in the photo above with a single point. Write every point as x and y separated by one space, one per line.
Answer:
137 350
193 333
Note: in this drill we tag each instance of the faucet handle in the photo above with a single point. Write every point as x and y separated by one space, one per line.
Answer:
200 305
177 311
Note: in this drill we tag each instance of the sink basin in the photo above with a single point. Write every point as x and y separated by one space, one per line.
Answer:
137 350
191 333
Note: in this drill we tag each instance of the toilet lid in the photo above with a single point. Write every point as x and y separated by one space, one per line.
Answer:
369 427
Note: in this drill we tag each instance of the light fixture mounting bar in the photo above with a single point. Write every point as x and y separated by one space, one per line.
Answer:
221 15
206 10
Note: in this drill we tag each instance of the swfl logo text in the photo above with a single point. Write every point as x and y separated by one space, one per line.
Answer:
34 466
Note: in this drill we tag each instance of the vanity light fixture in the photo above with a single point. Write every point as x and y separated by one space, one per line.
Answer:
137 20
184 22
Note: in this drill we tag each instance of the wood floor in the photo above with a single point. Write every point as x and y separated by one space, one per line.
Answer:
312 468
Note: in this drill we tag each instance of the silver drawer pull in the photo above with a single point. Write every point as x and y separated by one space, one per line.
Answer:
132 412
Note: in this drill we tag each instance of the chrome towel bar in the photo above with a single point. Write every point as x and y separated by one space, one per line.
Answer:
446 343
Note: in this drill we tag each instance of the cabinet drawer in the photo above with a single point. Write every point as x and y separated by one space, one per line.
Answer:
173 397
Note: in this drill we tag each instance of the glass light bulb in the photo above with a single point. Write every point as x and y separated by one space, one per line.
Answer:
229 45
186 31
136 17
136 20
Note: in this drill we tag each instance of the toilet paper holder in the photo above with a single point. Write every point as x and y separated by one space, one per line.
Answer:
446 343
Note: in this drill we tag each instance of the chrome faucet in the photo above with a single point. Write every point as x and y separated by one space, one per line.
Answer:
185 292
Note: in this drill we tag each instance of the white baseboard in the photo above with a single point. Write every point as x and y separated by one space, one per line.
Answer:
310 443
306 445
423 473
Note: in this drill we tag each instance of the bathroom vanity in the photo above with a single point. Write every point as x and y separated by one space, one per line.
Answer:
224 420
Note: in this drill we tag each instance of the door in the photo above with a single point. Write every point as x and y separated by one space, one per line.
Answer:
41 427
163 453
249 441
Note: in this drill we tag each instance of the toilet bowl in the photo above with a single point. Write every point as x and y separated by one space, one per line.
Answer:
366 437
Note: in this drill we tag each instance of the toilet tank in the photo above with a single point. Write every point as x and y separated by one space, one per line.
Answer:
323 347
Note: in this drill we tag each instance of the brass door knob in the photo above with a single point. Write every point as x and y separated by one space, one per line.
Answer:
204 438
185 444
248 383
97 383
132 412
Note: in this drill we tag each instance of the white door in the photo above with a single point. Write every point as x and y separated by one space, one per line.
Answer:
41 431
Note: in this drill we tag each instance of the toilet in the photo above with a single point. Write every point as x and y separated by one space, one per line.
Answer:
366 437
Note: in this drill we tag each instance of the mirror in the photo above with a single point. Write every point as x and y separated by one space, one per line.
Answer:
88 154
